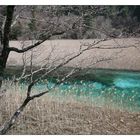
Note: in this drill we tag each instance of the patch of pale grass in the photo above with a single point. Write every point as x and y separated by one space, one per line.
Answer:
51 115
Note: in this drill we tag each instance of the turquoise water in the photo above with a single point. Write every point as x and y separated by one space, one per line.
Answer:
113 88
117 89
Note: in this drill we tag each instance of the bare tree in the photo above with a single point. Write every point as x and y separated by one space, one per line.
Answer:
46 67
48 70
5 49
51 67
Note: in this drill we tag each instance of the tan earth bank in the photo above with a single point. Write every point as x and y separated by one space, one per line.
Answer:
124 58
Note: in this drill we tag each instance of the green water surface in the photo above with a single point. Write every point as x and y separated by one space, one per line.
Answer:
120 89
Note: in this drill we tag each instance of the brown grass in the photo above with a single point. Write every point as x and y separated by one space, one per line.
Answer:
50 115
126 58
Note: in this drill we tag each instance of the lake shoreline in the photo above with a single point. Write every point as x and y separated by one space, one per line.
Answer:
92 69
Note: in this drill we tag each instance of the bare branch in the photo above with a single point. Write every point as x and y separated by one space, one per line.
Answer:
30 97
34 45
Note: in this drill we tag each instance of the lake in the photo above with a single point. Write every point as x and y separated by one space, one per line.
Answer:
103 87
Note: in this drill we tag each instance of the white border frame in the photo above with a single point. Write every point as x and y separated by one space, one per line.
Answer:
69 2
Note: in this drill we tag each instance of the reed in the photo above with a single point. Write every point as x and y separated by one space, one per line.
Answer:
50 115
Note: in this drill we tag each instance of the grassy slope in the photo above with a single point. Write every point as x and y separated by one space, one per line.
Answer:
49 115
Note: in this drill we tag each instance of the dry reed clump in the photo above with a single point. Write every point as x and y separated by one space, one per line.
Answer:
49 115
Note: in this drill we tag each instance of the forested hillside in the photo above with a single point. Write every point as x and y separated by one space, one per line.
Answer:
79 22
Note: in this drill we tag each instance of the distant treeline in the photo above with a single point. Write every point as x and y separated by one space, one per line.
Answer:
78 22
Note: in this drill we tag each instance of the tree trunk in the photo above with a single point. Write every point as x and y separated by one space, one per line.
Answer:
4 40
4 129
3 60
1 76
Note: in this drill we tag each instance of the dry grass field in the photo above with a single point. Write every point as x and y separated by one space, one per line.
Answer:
50 115
127 58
